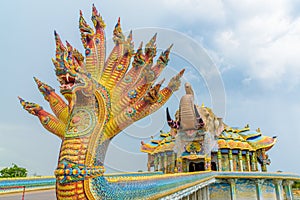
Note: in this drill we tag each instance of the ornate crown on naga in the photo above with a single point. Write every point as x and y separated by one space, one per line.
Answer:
104 94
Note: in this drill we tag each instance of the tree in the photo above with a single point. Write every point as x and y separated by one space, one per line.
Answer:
14 171
296 185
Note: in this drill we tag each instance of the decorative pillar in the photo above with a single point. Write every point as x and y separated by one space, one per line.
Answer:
179 165
259 183
148 167
187 164
160 162
248 161
207 161
165 162
254 161
149 162
278 189
263 165
173 162
225 162
230 160
288 189
232 183
155 162
219 160
241 160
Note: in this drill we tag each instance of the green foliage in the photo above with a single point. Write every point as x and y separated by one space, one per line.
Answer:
14 171
296 185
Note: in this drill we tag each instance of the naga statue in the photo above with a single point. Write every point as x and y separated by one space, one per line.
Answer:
194 123
104 96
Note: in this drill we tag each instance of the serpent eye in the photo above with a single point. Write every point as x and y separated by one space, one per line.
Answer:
87 51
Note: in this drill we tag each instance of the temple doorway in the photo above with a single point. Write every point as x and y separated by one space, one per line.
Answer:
194 167
213 166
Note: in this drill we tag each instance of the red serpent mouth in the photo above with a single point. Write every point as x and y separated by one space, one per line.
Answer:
67 82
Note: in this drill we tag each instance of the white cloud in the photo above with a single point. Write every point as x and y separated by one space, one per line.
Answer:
264 42
278 61
262 39
247 81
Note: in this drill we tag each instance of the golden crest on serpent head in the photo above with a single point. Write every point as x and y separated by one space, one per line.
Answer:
69 67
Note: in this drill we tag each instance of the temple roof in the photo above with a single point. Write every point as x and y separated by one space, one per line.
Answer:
164 142
230 138
244 138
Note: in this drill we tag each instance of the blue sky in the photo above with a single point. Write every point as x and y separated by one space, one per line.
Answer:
254 45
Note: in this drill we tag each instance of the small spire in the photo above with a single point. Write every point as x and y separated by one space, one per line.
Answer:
167 52
59 45
170 47
97 19
118 25
22 101
94 9
129 37
56 64
141 45
181 73
83 26
150 49
69 45
118 35
152 41
38 82
139 51
154 37
56 35
43 87
164 56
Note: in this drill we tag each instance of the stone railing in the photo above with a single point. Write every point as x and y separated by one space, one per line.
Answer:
207 185
9 185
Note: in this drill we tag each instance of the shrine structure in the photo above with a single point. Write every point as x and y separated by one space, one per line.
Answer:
213 145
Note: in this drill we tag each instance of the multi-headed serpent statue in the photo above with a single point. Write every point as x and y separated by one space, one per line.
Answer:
104 95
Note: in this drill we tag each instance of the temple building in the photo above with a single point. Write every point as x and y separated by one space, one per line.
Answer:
200 141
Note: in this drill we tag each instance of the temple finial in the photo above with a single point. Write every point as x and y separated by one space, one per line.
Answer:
118 35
